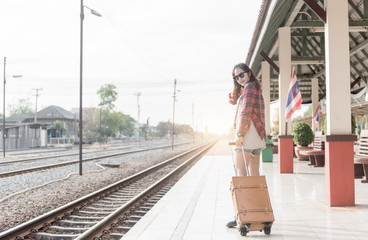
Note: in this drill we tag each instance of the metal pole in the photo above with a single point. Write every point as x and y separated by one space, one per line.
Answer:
173 122
4 109
80 91
193 121
37 89
100 127
138 94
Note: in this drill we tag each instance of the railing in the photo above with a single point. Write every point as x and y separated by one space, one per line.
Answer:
62 140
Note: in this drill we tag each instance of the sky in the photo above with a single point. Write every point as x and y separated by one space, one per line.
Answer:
139 46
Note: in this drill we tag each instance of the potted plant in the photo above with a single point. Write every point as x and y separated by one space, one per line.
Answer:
303 136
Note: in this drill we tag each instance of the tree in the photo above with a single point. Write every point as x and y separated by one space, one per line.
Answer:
162 128
108 96
114 123
24 106
127 126
59 126
183 129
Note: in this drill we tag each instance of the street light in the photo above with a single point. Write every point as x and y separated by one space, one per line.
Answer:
138 94
14 76
81 81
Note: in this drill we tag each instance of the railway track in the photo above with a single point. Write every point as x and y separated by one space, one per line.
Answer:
25 151
110 212
77 153
44 167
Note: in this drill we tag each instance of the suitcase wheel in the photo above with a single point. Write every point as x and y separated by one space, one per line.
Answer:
267 230
243 231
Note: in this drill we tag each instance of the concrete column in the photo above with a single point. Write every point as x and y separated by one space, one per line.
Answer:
284 76
286 146
314 101
339 152
266 94
337 68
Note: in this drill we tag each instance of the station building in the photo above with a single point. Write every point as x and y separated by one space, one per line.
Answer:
38 130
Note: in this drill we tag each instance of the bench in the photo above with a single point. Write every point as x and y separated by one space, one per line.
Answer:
361 159
317 155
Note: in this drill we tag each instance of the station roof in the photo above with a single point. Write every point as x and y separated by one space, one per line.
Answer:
307 43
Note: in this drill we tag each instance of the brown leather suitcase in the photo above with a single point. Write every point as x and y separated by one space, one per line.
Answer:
252 204
251 201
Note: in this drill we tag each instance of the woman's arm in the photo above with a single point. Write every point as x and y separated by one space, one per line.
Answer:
232 99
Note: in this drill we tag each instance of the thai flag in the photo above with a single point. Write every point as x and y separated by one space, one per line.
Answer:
316 114
294 99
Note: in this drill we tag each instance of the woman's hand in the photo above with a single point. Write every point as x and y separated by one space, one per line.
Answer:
239 141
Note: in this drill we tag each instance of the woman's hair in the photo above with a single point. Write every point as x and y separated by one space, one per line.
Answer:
237 87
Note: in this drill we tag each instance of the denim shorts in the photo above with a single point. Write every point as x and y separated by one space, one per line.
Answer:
254 152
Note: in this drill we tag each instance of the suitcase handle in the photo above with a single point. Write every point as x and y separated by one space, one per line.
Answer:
245 160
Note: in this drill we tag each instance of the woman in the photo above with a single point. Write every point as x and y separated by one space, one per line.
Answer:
250 124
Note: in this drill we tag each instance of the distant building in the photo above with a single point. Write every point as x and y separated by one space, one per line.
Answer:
53 113
38 130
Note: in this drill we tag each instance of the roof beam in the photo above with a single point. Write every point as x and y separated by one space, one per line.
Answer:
358 47
318 26
355 82
320 12
309 34
307 24
304 60
269 60
353 51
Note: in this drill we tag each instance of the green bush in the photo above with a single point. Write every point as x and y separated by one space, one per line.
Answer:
303 134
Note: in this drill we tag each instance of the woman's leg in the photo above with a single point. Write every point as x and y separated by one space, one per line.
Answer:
253 165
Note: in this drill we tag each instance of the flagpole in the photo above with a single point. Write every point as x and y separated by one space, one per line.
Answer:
286 125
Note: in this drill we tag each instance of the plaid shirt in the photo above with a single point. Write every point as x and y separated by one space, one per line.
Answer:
251 109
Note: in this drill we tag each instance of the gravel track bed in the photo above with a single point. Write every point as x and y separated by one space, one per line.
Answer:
14 184
30 204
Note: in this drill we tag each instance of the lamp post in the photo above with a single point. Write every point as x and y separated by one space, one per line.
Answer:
14 76
173 122
138 94
81 81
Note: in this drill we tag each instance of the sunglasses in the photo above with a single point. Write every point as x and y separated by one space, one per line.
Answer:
241 75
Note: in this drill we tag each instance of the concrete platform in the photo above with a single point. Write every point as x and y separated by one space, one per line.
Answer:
199 205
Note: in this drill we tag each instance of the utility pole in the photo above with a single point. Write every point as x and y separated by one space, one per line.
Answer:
100 135
168 129
173 122
3 130
138 94
147 128
37 95
193 121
